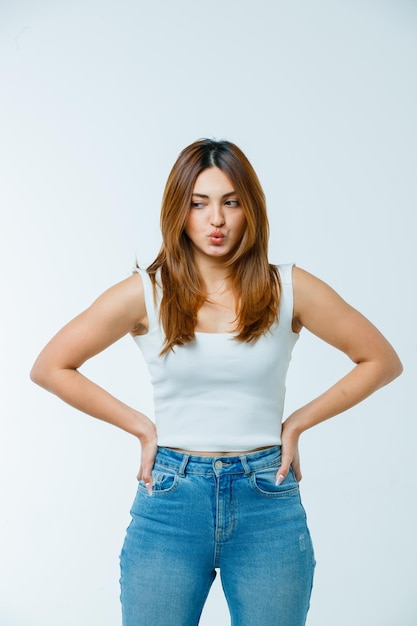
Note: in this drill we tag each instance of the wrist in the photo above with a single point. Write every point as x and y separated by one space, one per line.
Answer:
144 428
294 425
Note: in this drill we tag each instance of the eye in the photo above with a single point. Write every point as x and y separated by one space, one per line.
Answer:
197 205
232 203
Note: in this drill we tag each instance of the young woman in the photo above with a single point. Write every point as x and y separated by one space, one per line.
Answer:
216 322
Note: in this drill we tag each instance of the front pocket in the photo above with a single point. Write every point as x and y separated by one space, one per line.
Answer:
164 482
263 481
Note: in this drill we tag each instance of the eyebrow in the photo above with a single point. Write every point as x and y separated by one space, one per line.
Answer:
226 195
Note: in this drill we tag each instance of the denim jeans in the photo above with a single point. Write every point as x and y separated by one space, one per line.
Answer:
224 513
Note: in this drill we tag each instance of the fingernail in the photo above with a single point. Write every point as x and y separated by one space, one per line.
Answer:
279 480
148 488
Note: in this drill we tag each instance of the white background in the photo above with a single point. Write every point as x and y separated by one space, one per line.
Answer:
97 99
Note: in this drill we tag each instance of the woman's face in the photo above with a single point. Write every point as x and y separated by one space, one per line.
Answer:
216 221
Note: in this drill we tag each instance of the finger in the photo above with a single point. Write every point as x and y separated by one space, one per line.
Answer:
147 467
297 472
147 478
296 465
283 470
296 468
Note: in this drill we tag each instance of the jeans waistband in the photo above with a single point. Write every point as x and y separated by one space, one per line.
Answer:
209 465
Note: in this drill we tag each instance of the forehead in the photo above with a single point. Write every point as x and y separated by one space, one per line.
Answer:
212 181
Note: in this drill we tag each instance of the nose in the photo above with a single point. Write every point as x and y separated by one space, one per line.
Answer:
217 216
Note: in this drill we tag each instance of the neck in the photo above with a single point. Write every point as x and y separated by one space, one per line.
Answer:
216 278
215 273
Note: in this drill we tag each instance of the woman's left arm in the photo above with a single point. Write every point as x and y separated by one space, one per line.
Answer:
321 310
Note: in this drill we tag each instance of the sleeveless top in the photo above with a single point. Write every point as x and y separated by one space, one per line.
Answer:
216 393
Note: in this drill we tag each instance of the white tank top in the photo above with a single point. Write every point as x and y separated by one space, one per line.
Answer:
215 393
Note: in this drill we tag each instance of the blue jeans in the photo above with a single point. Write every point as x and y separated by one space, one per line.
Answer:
217 512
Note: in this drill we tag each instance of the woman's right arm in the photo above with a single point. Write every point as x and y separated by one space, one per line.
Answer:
118 311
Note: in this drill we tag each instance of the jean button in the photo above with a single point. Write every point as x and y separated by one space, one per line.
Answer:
218 464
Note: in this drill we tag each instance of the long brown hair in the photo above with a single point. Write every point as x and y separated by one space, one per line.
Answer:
254 281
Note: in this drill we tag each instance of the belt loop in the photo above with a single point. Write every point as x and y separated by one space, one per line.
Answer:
245 465
183 465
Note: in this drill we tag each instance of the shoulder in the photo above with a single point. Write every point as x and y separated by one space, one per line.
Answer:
327 315
312 296
317 306
309 288
304 280
124 302
128 290
320 309
115 313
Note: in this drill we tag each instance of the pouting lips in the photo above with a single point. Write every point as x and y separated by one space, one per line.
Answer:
216 236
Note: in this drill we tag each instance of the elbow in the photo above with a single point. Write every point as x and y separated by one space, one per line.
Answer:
40 375
383 369
393 369
48 375
397 369
36 376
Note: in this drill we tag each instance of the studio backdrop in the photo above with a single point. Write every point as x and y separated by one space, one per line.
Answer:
96 101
